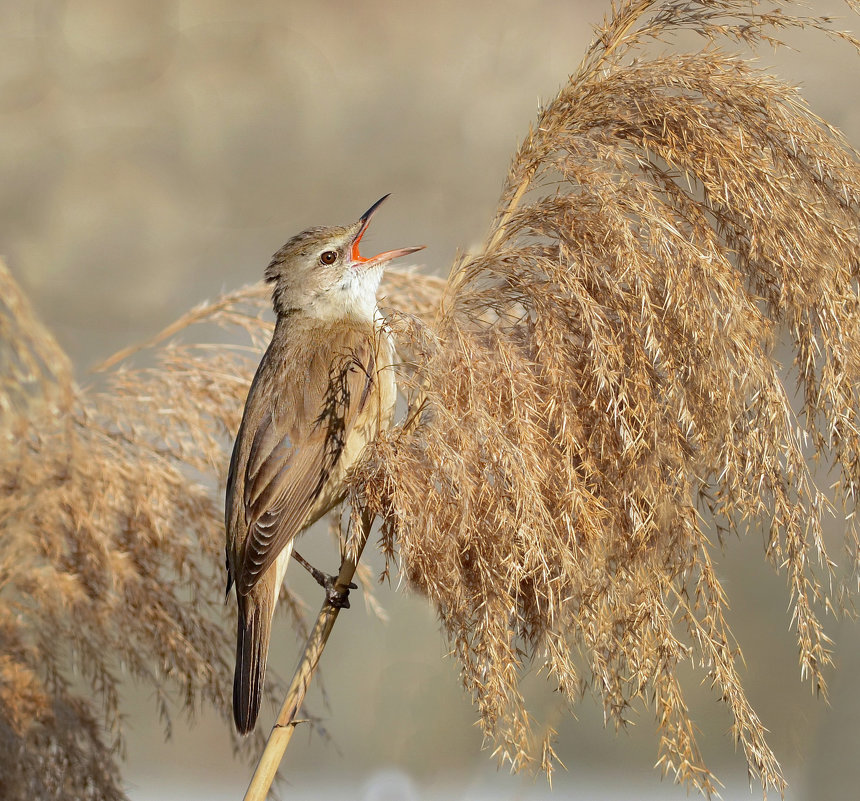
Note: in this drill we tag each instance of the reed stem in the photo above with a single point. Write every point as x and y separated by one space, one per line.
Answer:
282 731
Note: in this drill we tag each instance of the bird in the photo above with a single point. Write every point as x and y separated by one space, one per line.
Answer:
323 390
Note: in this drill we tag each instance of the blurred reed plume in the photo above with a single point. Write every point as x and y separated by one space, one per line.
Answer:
111 541
110 546
599 398
594 403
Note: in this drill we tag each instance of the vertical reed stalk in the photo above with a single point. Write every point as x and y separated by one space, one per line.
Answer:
282 731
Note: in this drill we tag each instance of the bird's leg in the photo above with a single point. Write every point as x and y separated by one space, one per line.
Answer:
337 598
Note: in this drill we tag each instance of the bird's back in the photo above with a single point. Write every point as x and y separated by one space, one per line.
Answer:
322 391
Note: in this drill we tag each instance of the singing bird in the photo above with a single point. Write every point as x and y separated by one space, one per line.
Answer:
323 390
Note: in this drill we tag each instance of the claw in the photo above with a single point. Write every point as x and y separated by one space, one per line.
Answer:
335 597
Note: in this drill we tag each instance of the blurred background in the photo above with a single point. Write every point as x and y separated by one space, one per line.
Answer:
156 152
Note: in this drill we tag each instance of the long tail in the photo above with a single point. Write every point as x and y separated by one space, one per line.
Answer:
252 644
252 649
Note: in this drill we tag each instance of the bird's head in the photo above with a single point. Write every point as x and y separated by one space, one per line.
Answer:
320 272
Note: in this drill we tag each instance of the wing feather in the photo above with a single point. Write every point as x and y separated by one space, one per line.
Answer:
293 453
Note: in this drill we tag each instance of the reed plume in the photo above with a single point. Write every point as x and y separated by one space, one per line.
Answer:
111 551
600 400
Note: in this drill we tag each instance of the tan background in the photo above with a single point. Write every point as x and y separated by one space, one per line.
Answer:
154 152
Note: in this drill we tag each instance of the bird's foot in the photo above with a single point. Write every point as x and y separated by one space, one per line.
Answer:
334 595
337 597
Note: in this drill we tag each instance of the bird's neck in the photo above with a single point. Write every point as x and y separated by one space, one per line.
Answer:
324 319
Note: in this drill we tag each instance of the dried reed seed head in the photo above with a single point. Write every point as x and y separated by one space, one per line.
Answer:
604 373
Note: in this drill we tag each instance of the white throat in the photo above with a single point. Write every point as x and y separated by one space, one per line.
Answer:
354 296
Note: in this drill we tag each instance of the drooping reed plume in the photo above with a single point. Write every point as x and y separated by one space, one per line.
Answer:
110 550
595 403
600 398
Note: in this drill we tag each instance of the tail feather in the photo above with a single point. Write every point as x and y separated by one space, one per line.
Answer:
252 642
252 647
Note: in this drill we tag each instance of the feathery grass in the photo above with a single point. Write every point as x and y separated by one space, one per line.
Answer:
600 399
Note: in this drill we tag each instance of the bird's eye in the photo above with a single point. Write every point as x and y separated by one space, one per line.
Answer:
328 257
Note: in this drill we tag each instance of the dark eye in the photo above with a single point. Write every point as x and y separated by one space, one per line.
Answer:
328 257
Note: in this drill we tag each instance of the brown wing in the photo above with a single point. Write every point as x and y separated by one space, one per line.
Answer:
290 459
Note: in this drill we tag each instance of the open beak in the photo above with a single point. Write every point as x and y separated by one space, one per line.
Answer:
382 258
